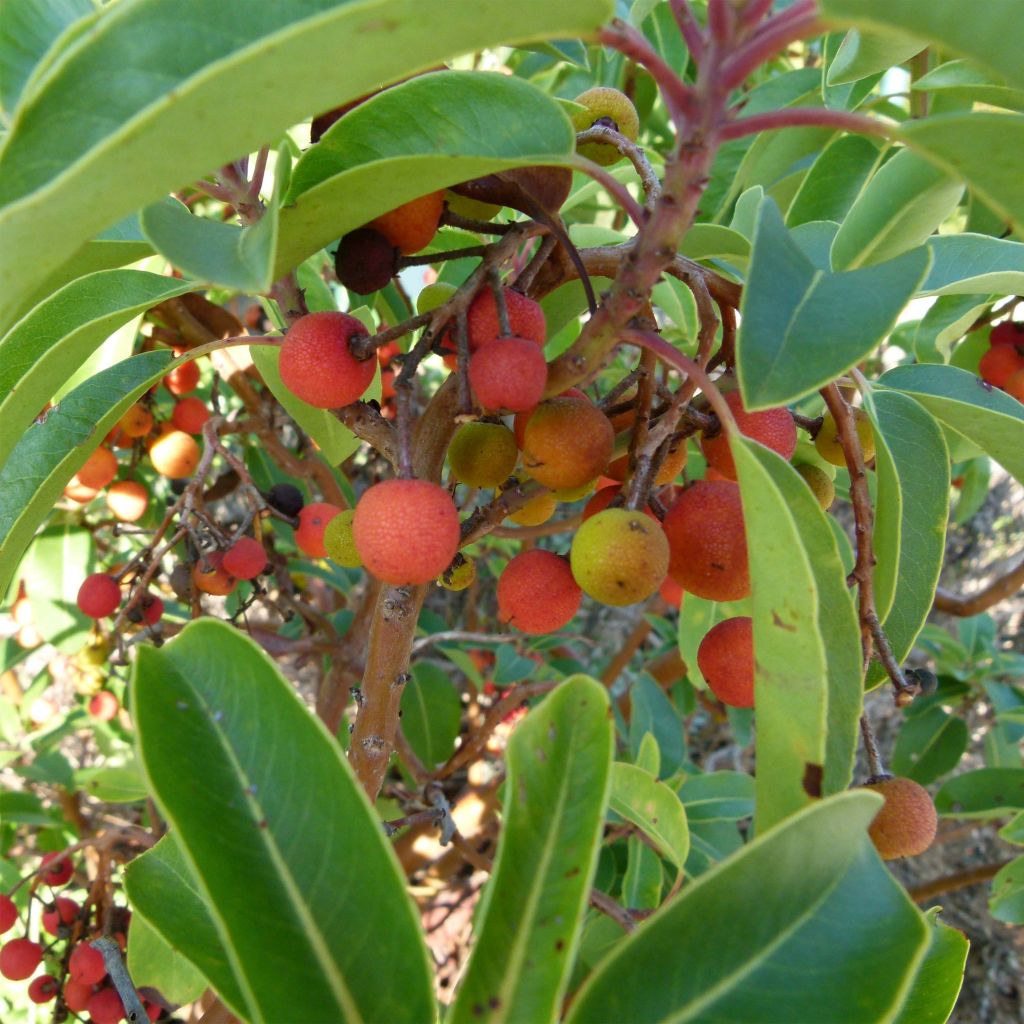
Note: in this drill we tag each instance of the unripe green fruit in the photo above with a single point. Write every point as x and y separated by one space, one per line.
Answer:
472 209
339 542
459 575
827 438
619 556
536 511
434 296
906 823
483 454
605 106
820 483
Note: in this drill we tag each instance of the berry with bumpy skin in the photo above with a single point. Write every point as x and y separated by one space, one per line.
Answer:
339 542
19 959
1014 385
103 706
59 869
671 466
603 499
1009 332
105 1007
98 470
43 989
136 422
671 593
520 419
906 824
619 557
245 559
707 543
725 658
567 442
999 364
525 318
61 914
827 439
483 454
86 964
99 595
459 575
313 520
508 373
127 500
76 995
175 455
774 428
183 379
821 484
406 531
365 261
8 913
317 364
190 414
210 577
411 226
611 108
536 511
286 498
537 592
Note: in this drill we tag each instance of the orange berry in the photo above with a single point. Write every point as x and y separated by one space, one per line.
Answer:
726 660
128 500
522 418
567 443
537 592
78 492
103 706
317 364
671 466
508 373
190 414
313 520
774 428
906 823
175 455
183 379
406 531
136 422
411 226
98 470
999 364
707 542
671 593
1015 385
210 576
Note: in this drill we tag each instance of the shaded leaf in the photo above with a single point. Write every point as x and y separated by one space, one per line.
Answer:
864 53
154 962
431 714
654 808
717 796
964 80
969 264
929 745
1006 902
983 793
940 976
835 180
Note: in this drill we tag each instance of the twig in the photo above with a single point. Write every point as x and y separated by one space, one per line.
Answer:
689 28
958 880
875 762
817 117
135 1012
613 186
998 590
618 913
649 180
462 636
525 277
441 257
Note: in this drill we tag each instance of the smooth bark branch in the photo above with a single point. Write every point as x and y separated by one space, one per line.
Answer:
973 604
959 880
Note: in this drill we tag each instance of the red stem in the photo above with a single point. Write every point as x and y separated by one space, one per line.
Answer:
792 117
798 21
689 28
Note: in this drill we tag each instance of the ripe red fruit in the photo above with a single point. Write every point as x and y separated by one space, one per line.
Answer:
103 706
152 609
1014 385
8 913
210 576
1009 332
105 1007
60 869
99 595
86 964
525 318
726 660
183 379
406 531
190 414
99 469
245 559
508 373
671 592
313 520
317 364
707 543
537 592
19 959
43 989
63 912
999 364
774 428
76 995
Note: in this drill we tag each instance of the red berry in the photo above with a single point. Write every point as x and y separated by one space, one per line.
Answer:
60 870
103 706
245 559
43 989
774 428
19 959
63 912
183 379
313 520
153 1010
317 364
99 595
537 592
726 660
76 995
8 913
525 318
210 577
999 364
508 373
190 414
86 964
152 609
1009 332
105 1007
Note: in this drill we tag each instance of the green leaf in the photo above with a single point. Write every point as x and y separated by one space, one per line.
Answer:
929 745
55 448
644 878
864 53
648 755
717 796
527 926
113 783
650 805
431 714
705 241
37 353
986 416
712 959
794 335
911 513
896 211
978 147
163 891
654 713
427 133
1006 903
946 321
836 178
972 264
940 976
116 123
336 442
262 767
984 793
154 962
56 563
963 80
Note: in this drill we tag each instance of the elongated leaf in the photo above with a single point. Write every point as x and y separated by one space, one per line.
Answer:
911 513
717 796
152 961
984 793
40 351
940 976
835 180
654 713
644 878
1007 900
962 402
970 264
117 123
898 209
163 891
559 761
714 960
794 336
863 53
55 565
55 448
264 764
929 745
949 317
433 131
962 79
654 808
431 714
704 241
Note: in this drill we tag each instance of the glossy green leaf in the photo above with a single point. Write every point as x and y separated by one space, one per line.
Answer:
711 842
794 335
964 80
323 870
946 321
113 783
655 809
527 926
865 53
117 123
431 714
154 962
910 518
713 959
644 878
1006 902
929 745
836 178
983 793
648 755
163 891
56 563
37 353
654 713
970 264
427 133
987 417
897 210
717 796
705 241
52 450
940 976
